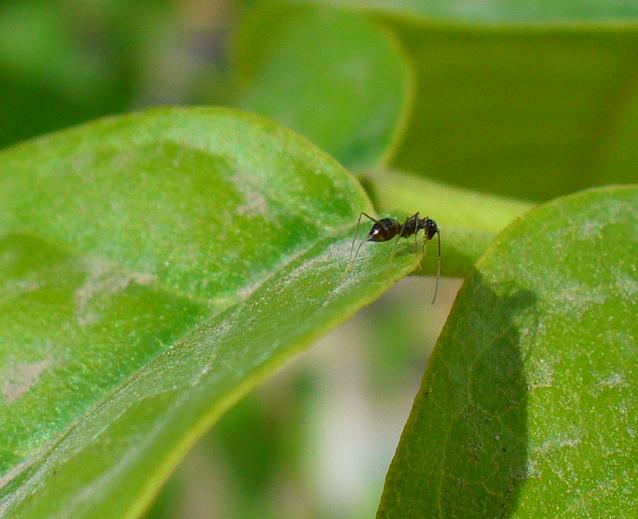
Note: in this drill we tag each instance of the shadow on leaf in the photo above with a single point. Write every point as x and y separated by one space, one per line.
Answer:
463 452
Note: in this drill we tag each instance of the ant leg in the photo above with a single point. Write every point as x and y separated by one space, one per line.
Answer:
438 270
394 249
416 250
350 263
354 239
414 218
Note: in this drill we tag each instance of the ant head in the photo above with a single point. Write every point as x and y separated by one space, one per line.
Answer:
430 226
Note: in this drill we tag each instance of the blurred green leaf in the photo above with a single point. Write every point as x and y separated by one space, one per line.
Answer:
334 76
167 503
614 154
154 268
529 112
66 62
519 113
529 12
529 402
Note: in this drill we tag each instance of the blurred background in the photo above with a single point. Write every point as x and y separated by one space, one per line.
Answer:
526 101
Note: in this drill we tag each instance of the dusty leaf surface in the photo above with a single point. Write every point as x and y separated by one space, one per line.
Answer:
154 268
530 396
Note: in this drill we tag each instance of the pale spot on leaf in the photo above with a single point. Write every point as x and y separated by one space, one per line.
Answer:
22 377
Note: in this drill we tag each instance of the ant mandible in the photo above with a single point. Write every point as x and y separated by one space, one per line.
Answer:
387 228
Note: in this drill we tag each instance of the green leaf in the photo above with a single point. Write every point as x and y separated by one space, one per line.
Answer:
519 111
526 114
334 76
154 268
614 155
529 12
59 68
528 406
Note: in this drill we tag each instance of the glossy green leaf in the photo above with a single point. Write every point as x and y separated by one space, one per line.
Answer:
154 268
334 76
529 404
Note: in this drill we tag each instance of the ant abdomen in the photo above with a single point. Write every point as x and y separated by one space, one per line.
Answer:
384 229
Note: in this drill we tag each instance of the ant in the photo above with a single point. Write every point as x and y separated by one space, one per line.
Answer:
387 228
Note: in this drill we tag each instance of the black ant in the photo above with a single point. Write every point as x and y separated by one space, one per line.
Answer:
387 228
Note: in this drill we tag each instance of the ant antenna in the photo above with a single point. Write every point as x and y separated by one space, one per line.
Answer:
438 270
354 239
